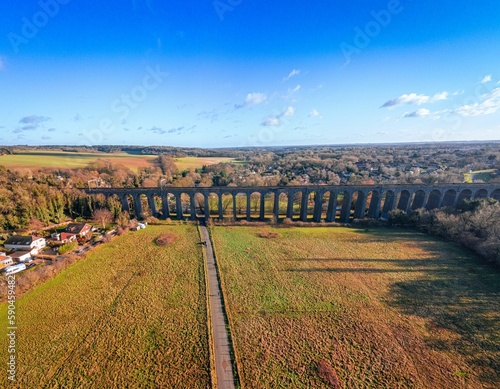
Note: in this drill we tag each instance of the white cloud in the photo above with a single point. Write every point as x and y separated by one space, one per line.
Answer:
293 73
290 111
489 105
275 121
291 92
459 92
294 90
413 98
439 97
419 113
486 79
314 113
255 98
271 122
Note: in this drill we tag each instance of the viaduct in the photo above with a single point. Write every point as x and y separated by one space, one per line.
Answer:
322 202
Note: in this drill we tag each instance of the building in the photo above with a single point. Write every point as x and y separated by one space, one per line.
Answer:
5 261
21 256
81 230
28 243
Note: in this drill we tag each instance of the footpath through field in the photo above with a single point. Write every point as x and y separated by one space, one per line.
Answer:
223 364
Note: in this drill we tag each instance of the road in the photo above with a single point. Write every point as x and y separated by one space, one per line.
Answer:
220 336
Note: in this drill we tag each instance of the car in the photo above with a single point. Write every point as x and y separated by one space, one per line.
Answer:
29 260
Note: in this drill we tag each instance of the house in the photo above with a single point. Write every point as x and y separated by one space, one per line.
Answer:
66 237
21 256
5 261
29 243
63 237
81 230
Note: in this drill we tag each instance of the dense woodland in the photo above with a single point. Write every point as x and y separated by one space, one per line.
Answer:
32 199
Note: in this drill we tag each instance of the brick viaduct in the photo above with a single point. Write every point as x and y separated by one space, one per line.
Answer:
321 201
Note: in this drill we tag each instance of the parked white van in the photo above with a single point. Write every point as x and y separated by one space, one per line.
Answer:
15 269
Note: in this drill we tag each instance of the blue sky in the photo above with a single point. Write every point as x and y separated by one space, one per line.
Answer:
248 73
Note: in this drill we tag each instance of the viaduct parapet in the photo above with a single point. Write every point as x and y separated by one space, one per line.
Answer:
322 202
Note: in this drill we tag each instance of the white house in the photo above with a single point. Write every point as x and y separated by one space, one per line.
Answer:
21 256
29 243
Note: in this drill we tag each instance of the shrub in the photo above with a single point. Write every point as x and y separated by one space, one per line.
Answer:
107 238
152 220
327 373
122 231
67 247
268 235
166 239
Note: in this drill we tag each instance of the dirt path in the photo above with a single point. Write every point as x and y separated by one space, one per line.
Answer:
223 364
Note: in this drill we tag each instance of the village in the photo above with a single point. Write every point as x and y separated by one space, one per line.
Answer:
24 252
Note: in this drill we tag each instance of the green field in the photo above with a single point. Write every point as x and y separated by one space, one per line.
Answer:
483 175
192 163
130 315
344 308
39 159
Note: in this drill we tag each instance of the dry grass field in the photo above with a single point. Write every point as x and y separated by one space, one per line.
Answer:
131 314
192 163
53 159
345 308
36 159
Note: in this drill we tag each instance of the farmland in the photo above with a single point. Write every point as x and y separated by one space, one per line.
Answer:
345 308
192 163
54 159
131 314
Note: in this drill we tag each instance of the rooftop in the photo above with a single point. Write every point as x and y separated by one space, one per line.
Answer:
21 240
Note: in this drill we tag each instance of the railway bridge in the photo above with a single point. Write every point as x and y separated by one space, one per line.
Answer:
312 202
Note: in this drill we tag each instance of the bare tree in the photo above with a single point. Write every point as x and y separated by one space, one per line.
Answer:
103 217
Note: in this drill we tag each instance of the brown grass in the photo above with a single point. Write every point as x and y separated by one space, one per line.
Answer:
268 235
129 315
385 309
166 239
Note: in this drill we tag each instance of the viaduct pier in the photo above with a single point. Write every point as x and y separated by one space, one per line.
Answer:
311 202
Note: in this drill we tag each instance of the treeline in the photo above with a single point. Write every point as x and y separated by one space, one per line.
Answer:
38 201
476 225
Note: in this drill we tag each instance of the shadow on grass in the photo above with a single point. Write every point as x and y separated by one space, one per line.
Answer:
452 290
463 302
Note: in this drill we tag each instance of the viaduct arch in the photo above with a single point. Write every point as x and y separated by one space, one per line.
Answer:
317 202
